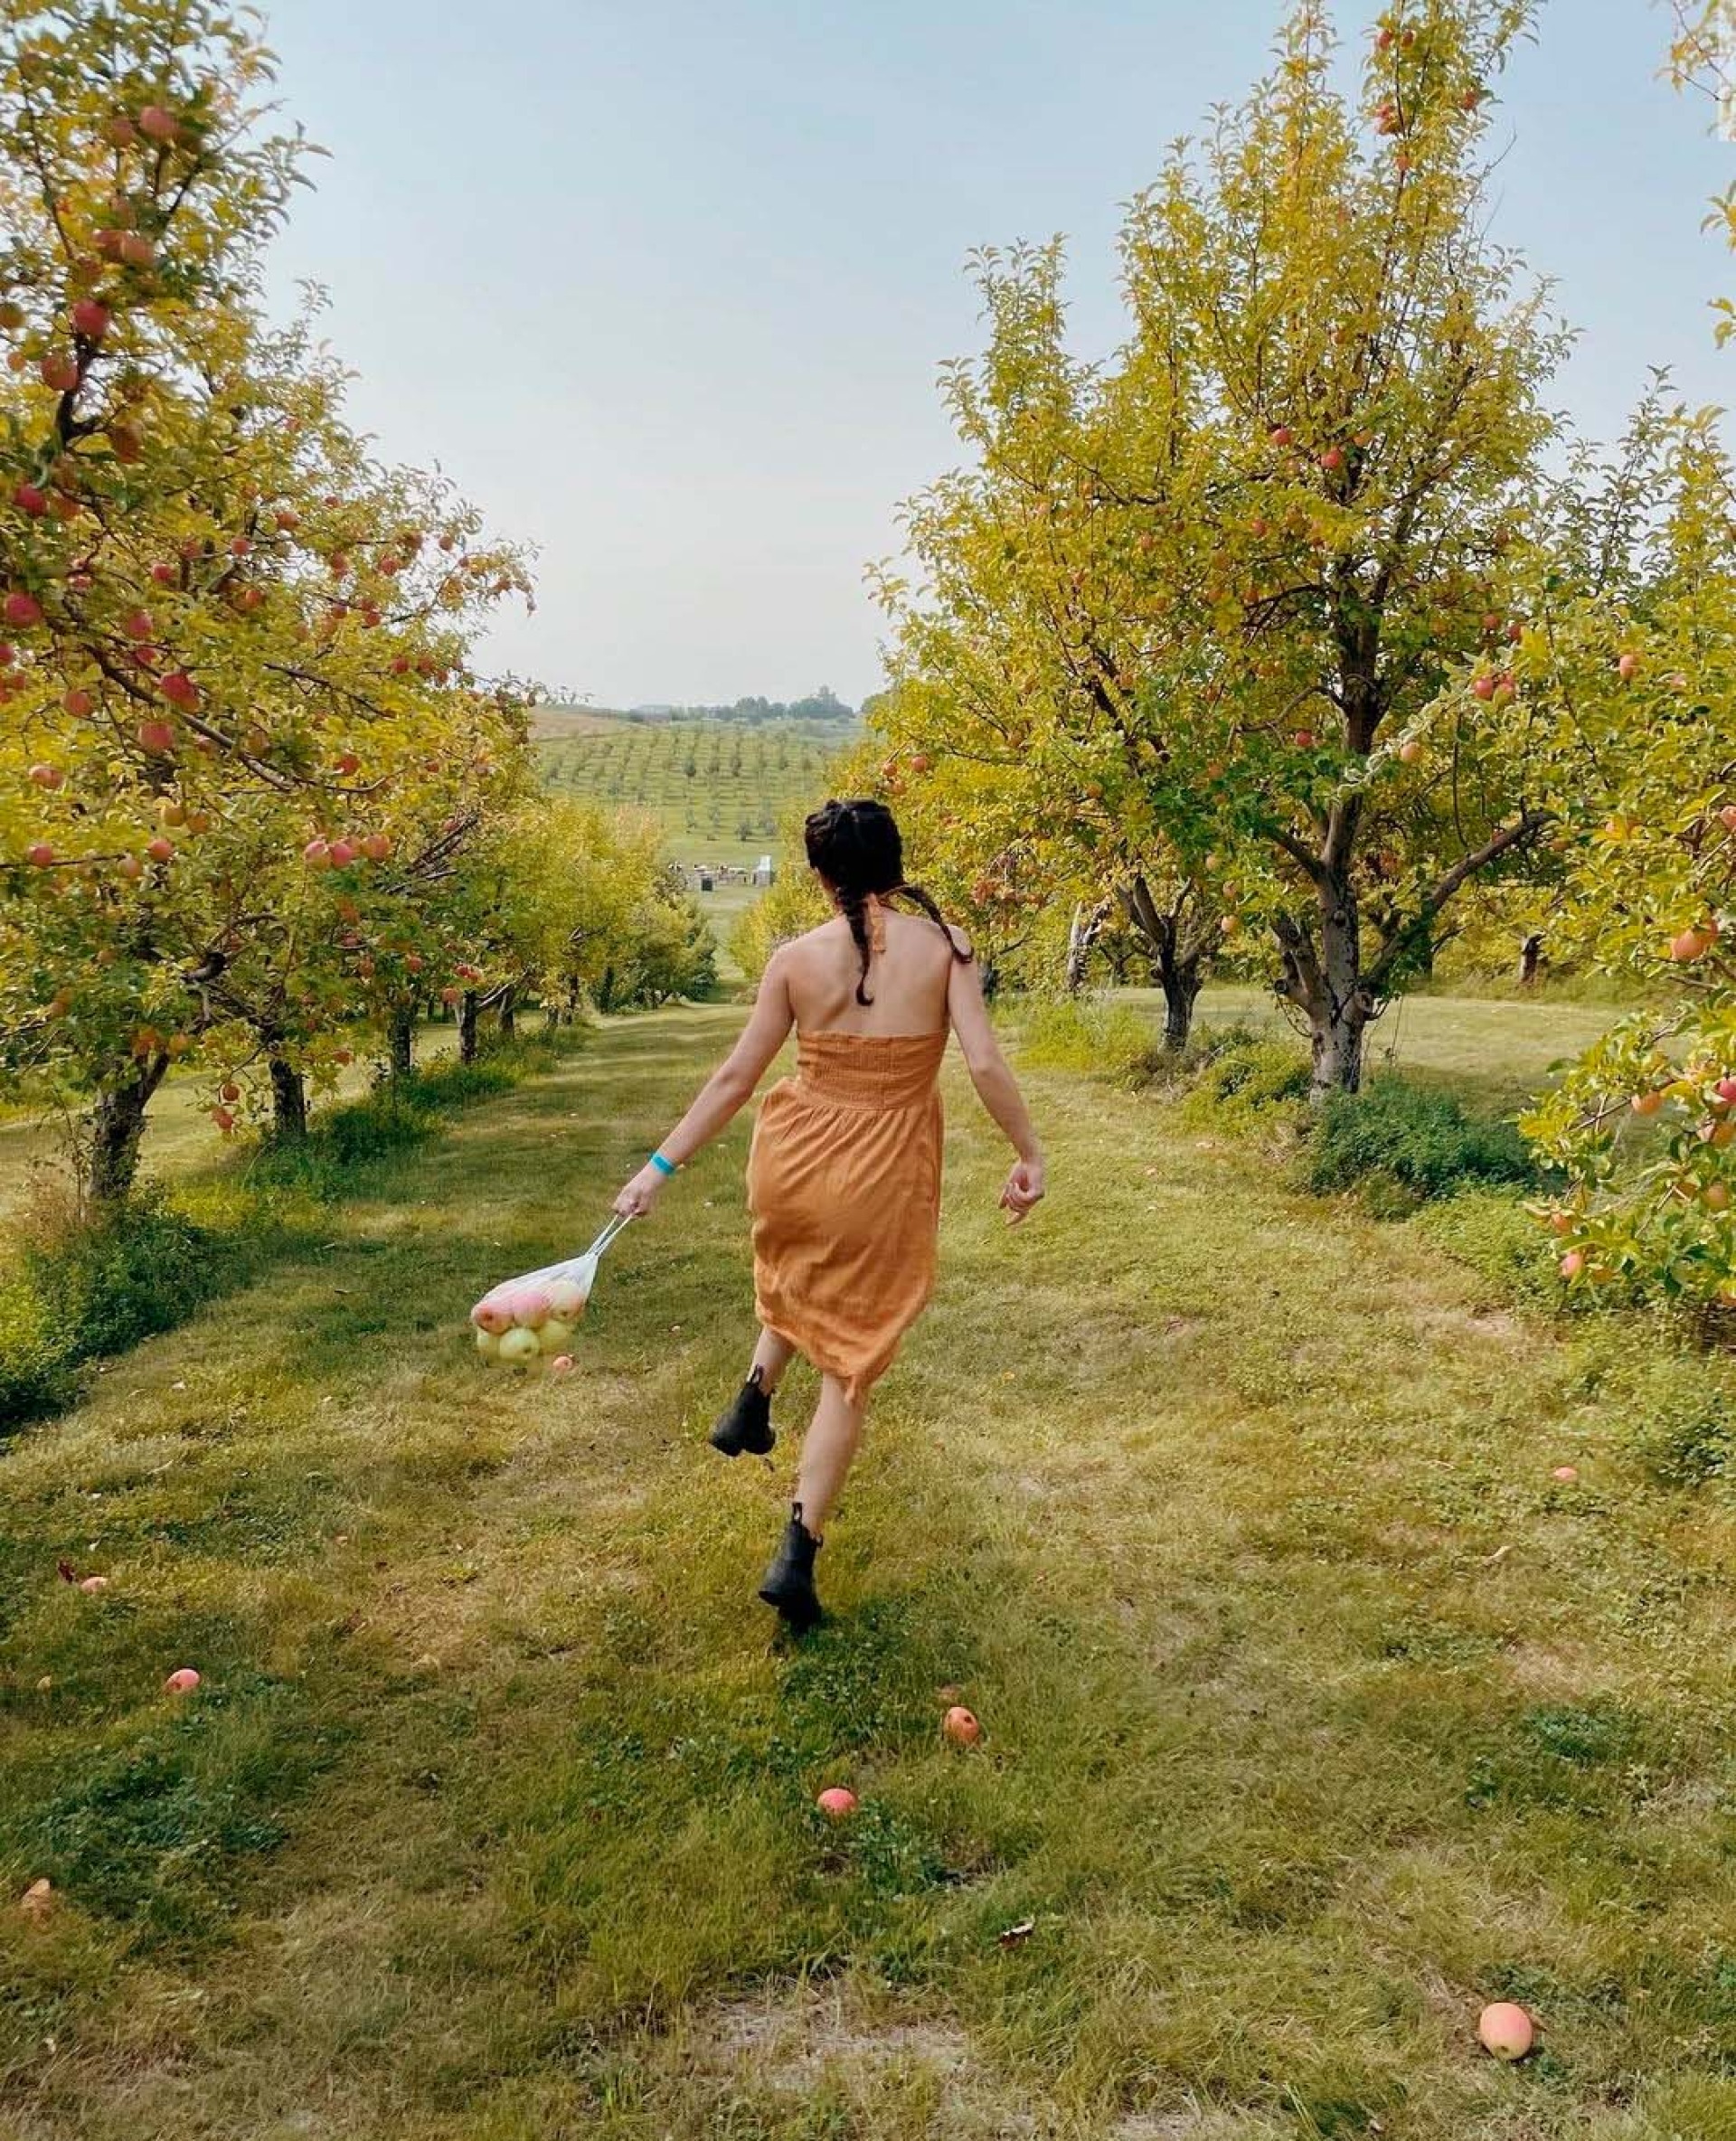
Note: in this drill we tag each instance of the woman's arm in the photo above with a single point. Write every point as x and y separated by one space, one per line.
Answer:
727 1090
995 1088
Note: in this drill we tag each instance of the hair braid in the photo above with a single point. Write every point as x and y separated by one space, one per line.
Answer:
856 848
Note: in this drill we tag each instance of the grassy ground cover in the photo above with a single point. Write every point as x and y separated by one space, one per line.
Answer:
1316 1711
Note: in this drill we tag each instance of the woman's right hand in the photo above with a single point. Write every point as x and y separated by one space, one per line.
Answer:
1024 1189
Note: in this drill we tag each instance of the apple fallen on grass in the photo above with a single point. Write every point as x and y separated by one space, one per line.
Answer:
561 1364
91 1585
180 1682
961 1727
1565 1474
1505 2030
836 1803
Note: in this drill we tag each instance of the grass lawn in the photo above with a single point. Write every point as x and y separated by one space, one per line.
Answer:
1315 1713
179 1134
1495 1052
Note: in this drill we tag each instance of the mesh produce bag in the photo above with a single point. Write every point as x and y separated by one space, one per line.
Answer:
533 1320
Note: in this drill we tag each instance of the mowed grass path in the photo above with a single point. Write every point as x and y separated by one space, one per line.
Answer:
1315 1713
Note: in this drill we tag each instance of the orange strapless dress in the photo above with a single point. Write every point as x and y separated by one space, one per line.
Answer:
843 1184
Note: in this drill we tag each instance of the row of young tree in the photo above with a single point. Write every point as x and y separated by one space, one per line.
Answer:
255 796
1297 633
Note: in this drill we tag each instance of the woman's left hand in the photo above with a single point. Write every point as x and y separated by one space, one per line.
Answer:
641 1193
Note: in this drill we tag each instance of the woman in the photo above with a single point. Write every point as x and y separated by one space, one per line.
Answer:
844 1177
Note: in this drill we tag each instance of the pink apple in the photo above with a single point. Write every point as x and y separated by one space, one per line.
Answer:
1410 751
1282 434
47 777
561 1364
20 610
157 737
182 1681
566 1300
39 856
1505 2030
1483 687
1572 1263
836 1803
960 1727
1690 945
1333 459
531 1307
130 867
348 763
31 499
157 124
137 624
318 854
341 854
376 847
1565 1474
165 574
179 688
491 1314
60 372
161 849
137 249
1627 667
80 704
91 318
94 1584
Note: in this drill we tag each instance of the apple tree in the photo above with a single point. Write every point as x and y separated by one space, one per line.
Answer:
1211 591
1628 670
235 651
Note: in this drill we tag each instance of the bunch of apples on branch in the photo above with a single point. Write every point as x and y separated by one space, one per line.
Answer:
241 726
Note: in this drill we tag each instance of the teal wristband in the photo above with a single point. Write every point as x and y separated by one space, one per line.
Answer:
662 1165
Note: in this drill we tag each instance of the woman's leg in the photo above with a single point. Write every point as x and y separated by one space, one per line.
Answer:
772 1356
827 1454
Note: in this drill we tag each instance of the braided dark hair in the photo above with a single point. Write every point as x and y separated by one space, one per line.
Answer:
858 850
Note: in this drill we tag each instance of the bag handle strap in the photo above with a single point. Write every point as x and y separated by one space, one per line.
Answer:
616 1222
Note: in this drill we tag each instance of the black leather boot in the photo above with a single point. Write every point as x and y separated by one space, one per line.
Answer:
788 1583
746 1425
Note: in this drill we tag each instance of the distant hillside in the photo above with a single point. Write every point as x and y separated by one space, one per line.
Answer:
822 710
720 788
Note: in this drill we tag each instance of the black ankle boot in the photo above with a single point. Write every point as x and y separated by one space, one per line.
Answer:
788 1583
746 1425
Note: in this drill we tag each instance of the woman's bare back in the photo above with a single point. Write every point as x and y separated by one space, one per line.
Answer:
908 980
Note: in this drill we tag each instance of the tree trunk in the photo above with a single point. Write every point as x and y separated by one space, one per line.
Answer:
468 1027
1180 974
1531 961
1325 982
1180 981
400 1038
1081 937
509 1010
116 1125
605 990
288 1100
1340 1016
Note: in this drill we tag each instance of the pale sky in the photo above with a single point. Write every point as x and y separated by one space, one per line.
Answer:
663 284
